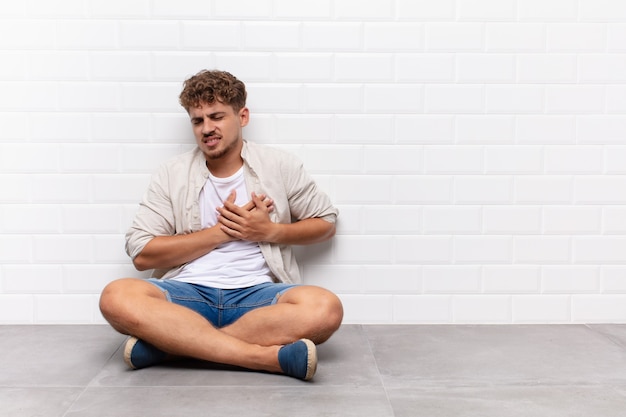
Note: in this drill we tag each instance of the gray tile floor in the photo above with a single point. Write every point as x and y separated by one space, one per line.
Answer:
382 370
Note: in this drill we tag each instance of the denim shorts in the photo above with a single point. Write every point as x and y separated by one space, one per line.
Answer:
221 306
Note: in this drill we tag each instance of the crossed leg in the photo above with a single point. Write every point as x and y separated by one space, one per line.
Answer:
138 308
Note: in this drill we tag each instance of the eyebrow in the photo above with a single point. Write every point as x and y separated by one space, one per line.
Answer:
212 115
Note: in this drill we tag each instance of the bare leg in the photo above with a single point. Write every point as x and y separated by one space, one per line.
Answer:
138 308
301 312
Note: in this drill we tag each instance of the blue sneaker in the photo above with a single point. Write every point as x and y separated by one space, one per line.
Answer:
299 359
139 354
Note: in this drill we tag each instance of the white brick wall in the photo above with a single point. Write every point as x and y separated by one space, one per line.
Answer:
476 148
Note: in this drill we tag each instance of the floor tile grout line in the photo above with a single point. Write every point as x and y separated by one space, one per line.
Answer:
380 377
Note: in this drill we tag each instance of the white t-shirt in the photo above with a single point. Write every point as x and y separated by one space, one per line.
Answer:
236 264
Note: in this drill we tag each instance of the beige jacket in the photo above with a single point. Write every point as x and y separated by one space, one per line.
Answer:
170 205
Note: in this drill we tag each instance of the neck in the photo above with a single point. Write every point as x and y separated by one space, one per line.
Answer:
223 169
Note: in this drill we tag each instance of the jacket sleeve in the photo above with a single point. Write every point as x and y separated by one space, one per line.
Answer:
306 199
155 216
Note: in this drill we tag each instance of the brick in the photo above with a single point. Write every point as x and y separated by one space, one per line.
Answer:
191 9
119 188
18 34
194 35
574 160
95 96
79 219
63 249
58 127
396 36
424 129
394 99
149 35
615 37
481 189
272 98
422 309
451 279
599 249
363 67
303 9
614 220
543 129
487 10
58 66
350 223
425 67
359 308
399 279
547 68
511 279
364 189
570 279
333 36
612 279
28 158
458 159
31 219
303 67
541 309
16 188
572 220
544 190
362 249
575 99
597 129
602 10
396 220
16 309
355 9
271 36
16 248
119 9
90 158
598 308
410 189
422 250
454 99
393 159
247 66
136 158
518 37
32 279
15 66
542 249
124 127
600 190
600 68
452 220
483 249
29 96
554 10
333 98
576 37
50 309
87 34
518 160
109 249
243 8
304 129
486 68
492 129
426 10
511 220
454 37
91 279
514 99
340 279
120 66
13 126
372 129
481 309
615 100
145 97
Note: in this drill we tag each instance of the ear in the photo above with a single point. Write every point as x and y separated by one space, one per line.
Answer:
244 116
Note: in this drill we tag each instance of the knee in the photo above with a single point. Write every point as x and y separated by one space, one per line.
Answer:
116 300
329 311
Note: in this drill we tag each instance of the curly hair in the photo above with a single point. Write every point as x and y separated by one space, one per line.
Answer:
210 86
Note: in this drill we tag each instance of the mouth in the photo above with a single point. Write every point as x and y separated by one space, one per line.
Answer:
211 140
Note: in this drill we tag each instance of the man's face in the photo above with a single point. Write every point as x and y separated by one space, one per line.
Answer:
218 128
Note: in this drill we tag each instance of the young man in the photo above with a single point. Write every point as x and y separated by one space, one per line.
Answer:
216 225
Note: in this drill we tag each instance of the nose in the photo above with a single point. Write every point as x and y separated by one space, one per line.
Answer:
208 127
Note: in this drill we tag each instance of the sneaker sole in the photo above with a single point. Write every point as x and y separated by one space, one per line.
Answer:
128 349
311 365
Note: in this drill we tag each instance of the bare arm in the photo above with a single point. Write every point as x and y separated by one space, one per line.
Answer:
255 225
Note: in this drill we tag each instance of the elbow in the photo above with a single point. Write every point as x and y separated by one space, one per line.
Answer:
140 263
